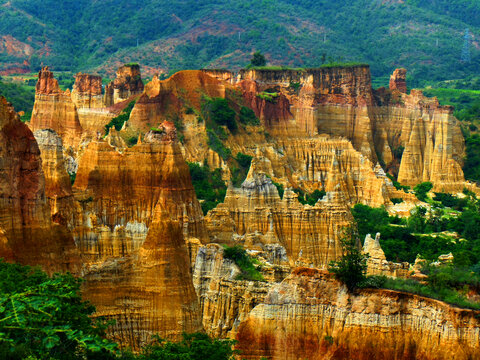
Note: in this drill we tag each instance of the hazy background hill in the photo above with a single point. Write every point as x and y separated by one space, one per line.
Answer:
425 36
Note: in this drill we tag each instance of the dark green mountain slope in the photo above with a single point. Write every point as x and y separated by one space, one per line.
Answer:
426 36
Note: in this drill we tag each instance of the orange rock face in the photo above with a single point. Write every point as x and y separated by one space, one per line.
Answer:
255 211
27 234
54 109
138 210
310 316
398 81
58 189
87 91
127 84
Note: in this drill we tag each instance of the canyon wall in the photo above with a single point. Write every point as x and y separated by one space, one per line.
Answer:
309 315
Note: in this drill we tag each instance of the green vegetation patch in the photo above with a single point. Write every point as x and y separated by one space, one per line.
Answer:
216 145
427 233
422 189
445 283
21 96
350 269
208 185
244 261
194 346
247 116
45 317
472 161
119 120
310 199
268 96
218 110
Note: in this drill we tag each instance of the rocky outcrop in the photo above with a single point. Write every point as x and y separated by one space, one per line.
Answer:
128 83
164 98
224 301
54 109
149 291
27 233
139 210
398 81
377 263
87 91
396 129
310 234
309 315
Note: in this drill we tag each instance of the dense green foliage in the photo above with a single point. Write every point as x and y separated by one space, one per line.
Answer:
422 189
268 96
426 37
310 199
427 233
244 261
218 110
22 97
472 161
196 346
44 317
247 116
280 189
209 186
119 120
351 267
445 283
216 145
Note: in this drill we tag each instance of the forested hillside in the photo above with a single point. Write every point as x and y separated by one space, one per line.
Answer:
427 37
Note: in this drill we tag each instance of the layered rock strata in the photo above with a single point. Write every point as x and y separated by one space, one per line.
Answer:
224 301
309 234
309 315
54 109
87 91
383 125
139 210
58 188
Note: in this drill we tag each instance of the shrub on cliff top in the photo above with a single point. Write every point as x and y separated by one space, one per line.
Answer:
219 111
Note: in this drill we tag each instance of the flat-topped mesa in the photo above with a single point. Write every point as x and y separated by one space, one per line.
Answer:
87 91
310 315
398 81
54 109
340 85
29 237
128 82
330 100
